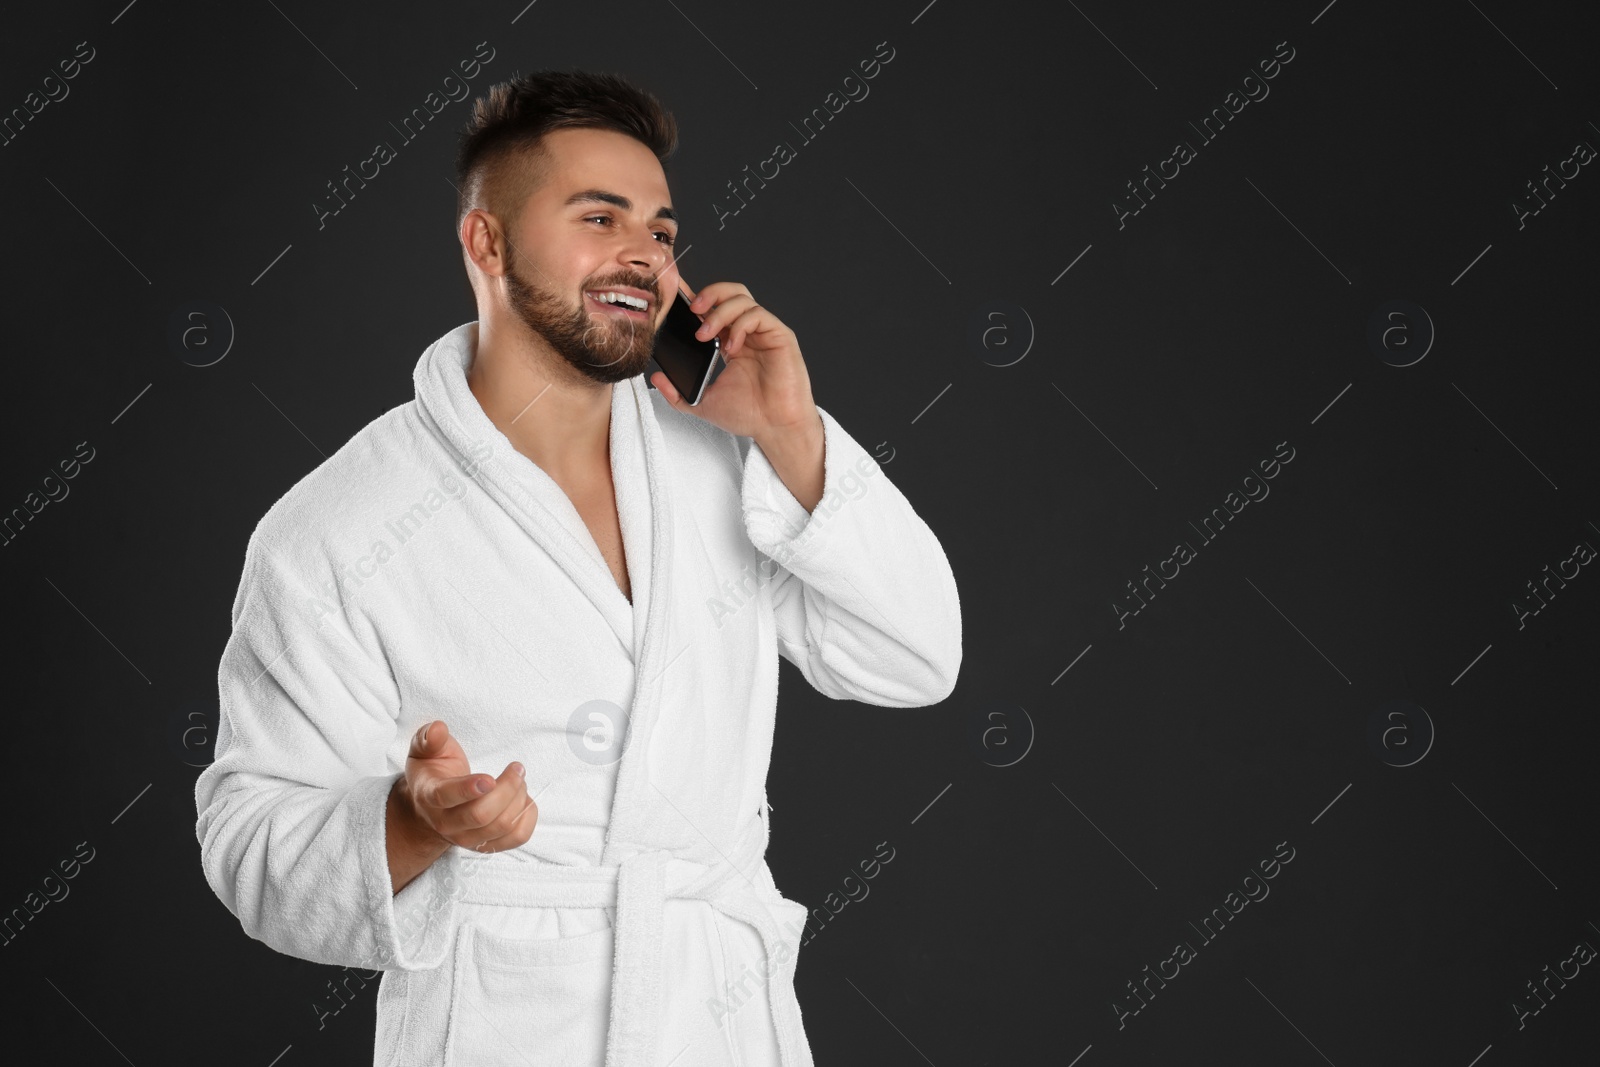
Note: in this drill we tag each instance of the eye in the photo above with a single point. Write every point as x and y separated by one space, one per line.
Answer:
669 242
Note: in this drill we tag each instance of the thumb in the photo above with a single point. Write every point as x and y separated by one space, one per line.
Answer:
665 387
429 741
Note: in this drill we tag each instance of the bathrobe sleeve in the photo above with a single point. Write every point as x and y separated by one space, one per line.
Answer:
864 598
291 813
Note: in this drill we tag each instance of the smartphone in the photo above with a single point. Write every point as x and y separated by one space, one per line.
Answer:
687 361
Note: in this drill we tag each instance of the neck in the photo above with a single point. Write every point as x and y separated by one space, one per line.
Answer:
549 411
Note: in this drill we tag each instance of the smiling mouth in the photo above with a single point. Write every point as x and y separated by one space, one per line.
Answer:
617 309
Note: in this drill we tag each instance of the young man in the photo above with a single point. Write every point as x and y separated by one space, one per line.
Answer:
539 564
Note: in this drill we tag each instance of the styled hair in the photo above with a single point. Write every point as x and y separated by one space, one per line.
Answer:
502 159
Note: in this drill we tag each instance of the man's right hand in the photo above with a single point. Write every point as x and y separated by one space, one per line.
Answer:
439 802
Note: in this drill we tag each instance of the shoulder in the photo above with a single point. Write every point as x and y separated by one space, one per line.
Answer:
333 501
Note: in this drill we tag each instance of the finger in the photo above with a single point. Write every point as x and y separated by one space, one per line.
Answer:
435 742
429 739
716 311
452 792
717 293
507 830
665 387
724 313
482 811
517 831
752 320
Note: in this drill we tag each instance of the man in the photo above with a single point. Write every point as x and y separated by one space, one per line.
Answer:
540 564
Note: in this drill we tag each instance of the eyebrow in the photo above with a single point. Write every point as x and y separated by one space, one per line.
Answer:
604 197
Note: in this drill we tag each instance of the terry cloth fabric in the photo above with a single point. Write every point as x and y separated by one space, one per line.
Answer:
428 570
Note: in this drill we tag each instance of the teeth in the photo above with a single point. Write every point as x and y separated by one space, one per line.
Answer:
621 298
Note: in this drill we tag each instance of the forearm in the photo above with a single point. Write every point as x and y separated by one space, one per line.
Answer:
410 848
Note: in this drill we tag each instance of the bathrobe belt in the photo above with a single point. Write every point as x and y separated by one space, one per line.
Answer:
638 889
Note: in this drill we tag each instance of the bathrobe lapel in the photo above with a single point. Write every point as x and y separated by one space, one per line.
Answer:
684 819
644 495
630 480
541 507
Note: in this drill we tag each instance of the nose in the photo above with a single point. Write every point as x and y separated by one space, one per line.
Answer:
653 258
654 263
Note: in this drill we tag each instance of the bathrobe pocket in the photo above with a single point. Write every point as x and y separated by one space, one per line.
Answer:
520 1002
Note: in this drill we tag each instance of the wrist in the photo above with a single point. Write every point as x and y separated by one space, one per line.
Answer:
797 457
406 827
802 439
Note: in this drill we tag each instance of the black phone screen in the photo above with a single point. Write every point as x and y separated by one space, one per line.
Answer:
686 360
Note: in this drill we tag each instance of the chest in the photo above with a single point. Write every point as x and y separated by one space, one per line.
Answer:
535 651
598 509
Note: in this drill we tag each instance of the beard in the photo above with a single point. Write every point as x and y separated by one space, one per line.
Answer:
604 347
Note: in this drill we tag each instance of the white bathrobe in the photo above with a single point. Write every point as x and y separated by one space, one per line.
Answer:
428 570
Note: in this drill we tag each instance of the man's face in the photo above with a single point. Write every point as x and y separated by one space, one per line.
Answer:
569 245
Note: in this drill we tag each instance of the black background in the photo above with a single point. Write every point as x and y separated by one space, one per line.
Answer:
1054 830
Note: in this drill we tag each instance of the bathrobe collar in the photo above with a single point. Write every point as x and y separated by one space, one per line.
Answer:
644 488
534 500
638 870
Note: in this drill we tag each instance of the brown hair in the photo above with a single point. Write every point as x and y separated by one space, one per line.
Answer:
502 159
